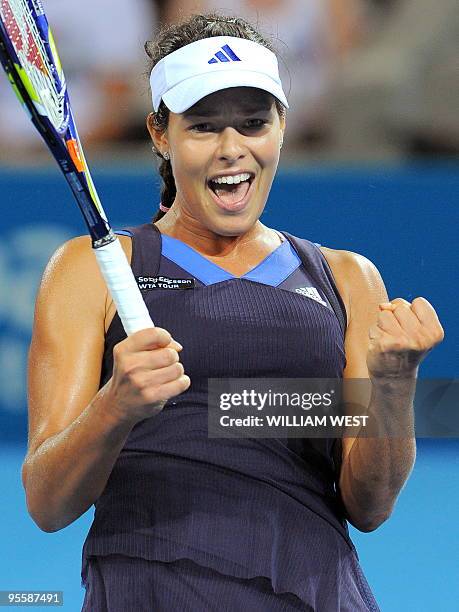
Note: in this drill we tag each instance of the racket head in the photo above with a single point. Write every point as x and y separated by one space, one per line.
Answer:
30 45
29 56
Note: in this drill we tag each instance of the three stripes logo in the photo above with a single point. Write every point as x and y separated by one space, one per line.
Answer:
311 292
226 54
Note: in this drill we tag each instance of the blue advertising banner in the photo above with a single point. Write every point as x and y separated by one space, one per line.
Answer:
404 219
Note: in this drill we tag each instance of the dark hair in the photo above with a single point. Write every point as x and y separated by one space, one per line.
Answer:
173 37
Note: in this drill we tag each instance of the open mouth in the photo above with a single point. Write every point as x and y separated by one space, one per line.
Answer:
231 196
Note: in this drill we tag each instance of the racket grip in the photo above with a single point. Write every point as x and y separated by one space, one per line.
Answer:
123 288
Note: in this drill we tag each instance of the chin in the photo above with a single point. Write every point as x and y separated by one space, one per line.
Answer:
233 225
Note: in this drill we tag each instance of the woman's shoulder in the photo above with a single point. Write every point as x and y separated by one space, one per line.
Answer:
72 273
348 264
355 275
78 252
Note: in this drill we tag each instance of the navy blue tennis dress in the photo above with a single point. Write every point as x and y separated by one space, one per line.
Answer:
188 523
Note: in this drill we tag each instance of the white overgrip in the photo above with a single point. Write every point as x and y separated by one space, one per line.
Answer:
123 288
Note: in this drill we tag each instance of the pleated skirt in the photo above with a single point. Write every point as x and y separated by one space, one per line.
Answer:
117 583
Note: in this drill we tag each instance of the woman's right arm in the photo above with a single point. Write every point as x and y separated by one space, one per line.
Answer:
77 431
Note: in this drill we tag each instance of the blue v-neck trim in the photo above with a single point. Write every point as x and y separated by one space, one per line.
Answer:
273 270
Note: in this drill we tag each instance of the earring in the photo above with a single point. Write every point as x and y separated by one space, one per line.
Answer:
281 143
166 156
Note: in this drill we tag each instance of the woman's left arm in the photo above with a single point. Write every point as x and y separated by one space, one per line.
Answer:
385 343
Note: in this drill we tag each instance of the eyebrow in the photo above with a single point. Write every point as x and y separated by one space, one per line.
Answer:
211 112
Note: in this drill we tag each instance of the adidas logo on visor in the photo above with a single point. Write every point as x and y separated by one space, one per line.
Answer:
226 54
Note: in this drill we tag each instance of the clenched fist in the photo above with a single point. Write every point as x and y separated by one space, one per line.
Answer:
146 373
402 336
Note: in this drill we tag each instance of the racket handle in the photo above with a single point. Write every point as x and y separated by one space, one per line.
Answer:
123 288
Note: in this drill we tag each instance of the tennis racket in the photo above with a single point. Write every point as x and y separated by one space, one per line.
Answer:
29 56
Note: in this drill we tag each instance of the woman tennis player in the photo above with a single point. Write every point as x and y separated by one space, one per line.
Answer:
185 522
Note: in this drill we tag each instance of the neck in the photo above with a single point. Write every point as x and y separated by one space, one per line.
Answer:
178 224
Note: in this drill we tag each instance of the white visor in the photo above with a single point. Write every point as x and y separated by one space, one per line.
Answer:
201 68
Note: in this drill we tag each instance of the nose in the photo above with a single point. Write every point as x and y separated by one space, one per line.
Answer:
231 145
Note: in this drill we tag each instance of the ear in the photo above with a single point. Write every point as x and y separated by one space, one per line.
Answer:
282 124
158 136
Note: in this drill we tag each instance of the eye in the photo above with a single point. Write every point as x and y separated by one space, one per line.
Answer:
255 123
201 127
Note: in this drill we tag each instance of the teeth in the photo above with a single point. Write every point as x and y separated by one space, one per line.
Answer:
230 180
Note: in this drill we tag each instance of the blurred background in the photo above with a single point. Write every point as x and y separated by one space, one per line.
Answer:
369 164
366 79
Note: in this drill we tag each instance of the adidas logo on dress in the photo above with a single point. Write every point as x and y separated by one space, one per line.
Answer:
311 292
226 54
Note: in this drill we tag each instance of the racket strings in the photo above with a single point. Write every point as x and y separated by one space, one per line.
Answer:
30 49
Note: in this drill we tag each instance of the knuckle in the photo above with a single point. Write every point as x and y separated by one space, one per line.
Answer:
439 333
417 347
421 343
143 334
151 395
431 340
127 366
161 335
171 355
122 364
179 368
384 316
396 346
134 380
174 371
390 346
